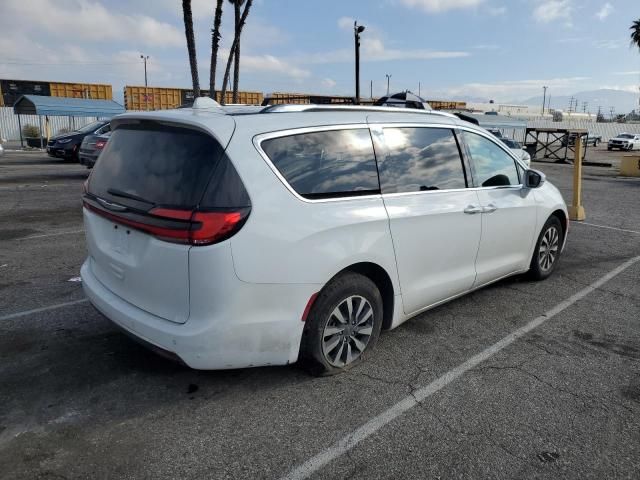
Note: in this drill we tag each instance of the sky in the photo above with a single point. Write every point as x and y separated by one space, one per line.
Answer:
494 49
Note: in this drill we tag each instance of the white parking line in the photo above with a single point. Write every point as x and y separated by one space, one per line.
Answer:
42 309
49 235
604 226
349 441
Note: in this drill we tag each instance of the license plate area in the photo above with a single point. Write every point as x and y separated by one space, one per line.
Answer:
120 239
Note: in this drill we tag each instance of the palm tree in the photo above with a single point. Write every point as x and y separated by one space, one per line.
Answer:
237 4
215 43
191 46
635 34
234 50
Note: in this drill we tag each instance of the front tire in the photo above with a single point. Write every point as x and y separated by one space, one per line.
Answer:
343 325
547 252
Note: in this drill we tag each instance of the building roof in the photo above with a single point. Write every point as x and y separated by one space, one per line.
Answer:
62 106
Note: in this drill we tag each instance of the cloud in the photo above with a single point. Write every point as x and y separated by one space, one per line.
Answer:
631 72
515 88
609 44
265 64
605 11
488 46
439 6
328 82
497 11
373 49
90 21
551 10
345 23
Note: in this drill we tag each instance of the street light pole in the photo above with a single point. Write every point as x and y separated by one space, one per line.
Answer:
357 30
388 78
145 58
544 99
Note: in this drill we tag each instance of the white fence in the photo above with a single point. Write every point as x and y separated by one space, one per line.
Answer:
10 130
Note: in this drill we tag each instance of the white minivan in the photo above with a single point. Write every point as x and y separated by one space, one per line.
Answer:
237 237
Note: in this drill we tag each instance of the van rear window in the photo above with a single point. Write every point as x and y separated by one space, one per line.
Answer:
155 164
334 163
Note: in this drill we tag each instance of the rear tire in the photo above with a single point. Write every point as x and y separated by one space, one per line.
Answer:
547 251
343 325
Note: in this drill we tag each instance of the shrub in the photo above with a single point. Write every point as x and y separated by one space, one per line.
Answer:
30 131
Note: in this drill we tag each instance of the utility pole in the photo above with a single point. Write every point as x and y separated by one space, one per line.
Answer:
419 88
544 98
146 93
145 58
357 30
584 107
371 90
388 78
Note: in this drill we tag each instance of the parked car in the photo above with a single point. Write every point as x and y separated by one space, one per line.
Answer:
91 147
67 145
517 148
591 139
624 141
281 234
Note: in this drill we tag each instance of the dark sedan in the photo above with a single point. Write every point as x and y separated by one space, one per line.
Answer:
91 147
67 145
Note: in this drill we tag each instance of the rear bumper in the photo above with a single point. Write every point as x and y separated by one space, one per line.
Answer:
255 325
88 160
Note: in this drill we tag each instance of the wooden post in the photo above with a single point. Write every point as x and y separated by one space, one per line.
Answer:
576 210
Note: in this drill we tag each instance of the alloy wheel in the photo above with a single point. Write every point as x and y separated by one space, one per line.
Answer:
347 331
548 251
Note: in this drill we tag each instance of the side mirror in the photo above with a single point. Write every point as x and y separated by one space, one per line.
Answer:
533 178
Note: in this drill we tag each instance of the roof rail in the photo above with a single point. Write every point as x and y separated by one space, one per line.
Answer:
289 108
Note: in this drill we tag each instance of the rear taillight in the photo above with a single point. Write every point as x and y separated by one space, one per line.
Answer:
206 228
184 226
100 144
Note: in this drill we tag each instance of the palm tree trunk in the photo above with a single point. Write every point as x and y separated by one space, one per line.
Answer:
236 41
236 53
215 43
191 46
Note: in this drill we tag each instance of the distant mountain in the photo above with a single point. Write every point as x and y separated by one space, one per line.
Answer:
621 100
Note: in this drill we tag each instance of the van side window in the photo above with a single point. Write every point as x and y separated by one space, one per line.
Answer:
329 164
493 167
421 159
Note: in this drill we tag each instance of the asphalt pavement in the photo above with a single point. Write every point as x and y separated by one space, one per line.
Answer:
560 400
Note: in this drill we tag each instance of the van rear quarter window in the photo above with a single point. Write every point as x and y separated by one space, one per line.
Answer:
326 164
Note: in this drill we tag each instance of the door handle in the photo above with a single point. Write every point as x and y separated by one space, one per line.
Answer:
489 208
472 209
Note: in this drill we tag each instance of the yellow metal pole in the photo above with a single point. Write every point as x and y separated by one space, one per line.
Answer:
576 210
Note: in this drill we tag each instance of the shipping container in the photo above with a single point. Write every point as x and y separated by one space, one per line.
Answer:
162 98
244 97
279 98
151 98
94 91
447 105
12 90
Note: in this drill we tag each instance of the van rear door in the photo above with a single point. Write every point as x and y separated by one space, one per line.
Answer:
141 211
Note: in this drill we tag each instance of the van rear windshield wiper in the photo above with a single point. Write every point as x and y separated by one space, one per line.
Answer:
119 193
